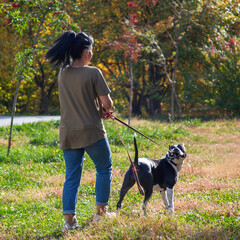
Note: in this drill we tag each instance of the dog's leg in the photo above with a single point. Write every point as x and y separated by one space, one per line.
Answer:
148 194
170 195
128 182
164 198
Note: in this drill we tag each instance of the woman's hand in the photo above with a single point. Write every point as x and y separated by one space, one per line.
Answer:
107 103
107 106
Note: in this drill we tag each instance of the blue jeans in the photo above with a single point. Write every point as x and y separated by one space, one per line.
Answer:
100 154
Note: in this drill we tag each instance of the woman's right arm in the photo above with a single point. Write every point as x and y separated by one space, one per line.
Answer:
107 103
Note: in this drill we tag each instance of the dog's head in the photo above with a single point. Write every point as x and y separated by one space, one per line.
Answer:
177 153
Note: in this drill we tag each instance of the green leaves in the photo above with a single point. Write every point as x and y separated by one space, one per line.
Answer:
186 26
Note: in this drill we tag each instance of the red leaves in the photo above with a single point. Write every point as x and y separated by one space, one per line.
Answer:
65 27
232 41
221 45
129 44
153 1
57 12
51 3
134 19
135 22
9 22
230 44
14 5
132 4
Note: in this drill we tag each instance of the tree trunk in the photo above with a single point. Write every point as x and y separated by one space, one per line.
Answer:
174 80
131 90
172 100
136 104
19 81
13 112
44 101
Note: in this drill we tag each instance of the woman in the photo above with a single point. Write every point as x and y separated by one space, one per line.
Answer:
84 98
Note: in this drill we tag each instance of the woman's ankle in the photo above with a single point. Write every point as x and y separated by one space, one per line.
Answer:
70 219
101 209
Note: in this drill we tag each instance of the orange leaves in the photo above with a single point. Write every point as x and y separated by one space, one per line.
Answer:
164 25
57 12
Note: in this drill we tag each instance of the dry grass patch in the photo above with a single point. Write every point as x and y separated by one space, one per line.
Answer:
201 206
3 142
204 184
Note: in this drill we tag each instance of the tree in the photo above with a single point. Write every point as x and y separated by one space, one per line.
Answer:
36 18
7 53
224 57
129 44
206 59
184 30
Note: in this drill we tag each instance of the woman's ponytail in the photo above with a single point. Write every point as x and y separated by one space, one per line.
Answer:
68 45
59 54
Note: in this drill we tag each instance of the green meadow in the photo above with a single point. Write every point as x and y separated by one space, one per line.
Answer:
207 195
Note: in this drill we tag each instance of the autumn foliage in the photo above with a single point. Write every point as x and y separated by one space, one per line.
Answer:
199 42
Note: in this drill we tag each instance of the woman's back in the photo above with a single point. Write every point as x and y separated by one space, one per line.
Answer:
79 89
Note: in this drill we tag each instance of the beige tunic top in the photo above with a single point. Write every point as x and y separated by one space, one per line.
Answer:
81 124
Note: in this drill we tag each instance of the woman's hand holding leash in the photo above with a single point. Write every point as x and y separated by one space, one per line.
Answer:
108 115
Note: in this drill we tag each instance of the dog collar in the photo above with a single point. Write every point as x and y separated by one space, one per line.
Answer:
173 162
170 159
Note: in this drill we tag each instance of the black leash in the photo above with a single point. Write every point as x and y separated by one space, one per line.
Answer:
136 131
109 115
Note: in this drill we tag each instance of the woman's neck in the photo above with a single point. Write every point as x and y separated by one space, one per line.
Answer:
78 63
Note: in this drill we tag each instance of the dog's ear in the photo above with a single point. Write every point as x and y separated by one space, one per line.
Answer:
182 147
171 147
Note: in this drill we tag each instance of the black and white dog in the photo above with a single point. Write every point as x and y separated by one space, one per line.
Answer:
159 174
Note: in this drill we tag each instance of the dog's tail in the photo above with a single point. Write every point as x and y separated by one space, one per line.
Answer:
136 151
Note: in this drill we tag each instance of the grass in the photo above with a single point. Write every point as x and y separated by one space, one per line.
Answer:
207 196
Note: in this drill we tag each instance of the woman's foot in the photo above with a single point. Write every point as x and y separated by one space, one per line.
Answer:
97 217
73 224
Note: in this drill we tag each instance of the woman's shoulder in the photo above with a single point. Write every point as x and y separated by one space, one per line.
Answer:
65 69
91 71
93 68
86 68
94 71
